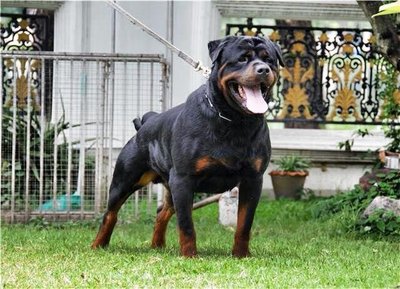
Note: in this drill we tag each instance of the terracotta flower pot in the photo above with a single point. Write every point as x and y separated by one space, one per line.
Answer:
288 184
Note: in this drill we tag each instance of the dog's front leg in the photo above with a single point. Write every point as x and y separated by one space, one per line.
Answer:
249 195
182 194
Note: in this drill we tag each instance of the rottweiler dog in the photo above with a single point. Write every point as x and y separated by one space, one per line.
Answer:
215 141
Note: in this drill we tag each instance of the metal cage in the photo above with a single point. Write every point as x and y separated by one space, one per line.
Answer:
64 118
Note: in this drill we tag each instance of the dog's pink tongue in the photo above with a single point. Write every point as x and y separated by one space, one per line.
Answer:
254 100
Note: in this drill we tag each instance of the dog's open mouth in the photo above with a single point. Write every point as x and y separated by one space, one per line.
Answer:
251 98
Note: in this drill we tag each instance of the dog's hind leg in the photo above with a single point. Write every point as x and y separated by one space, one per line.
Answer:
110 218
131 173
162 220
119 193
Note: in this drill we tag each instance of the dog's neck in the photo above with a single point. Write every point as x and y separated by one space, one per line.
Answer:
214 108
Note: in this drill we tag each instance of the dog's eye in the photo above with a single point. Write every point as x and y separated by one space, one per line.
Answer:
243 59
267 59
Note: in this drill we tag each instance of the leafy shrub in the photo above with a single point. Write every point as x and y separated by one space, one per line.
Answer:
357 200
379 222
354 200
391 108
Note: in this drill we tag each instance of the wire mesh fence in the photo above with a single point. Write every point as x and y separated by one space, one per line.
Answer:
64 118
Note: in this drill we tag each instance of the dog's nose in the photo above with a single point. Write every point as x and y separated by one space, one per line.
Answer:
262 69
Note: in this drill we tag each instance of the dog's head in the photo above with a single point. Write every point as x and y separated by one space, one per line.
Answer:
245 69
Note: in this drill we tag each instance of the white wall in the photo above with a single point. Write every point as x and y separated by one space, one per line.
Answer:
324 181
87 27
195 24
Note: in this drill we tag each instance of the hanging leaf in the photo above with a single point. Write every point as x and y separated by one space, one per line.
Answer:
387 9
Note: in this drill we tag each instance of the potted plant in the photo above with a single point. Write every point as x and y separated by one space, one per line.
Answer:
288 180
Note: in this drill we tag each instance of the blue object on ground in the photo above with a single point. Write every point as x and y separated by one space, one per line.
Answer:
61 203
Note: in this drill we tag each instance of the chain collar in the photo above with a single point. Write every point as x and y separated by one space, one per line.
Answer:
214 108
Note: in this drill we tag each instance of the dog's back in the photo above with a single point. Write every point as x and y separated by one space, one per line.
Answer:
138 122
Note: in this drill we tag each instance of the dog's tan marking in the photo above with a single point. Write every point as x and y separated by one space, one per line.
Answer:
160 227
187 244
241 241
257 163
104 234
203 163
207 161
146 178
224 79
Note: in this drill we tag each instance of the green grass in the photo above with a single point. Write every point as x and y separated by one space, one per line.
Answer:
289 250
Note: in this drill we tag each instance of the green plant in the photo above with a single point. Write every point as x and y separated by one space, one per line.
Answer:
51 134
292 163
353 200
391 107
356 201
389 8
380 222
348 144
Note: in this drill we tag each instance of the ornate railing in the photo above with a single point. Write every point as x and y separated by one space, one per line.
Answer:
25 32
331 75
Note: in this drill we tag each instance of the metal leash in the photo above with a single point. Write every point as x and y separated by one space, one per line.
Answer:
197 65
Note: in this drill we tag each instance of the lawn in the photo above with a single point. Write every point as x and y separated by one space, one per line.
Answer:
289 250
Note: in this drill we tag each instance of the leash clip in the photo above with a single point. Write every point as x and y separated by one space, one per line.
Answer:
206 70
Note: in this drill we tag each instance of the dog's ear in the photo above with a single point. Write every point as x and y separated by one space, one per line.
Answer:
279 54
275 47
215 47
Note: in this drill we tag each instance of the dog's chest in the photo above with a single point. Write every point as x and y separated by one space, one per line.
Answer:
221 174
228 165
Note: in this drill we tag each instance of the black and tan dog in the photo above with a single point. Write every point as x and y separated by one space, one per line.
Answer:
215 141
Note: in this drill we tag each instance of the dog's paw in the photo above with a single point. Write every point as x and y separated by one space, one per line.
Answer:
157 243
189 253
240 252
97 245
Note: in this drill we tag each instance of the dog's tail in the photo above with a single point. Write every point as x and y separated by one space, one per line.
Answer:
138 123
